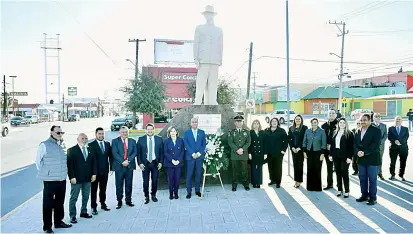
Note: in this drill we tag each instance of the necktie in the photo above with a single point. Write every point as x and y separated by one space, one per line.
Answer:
150 149
101 147
398 130
125 150
84 152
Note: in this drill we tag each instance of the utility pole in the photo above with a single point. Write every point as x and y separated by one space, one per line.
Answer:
12 90
255 97
287 42
249 77
5 115
136 73
63 107
343 33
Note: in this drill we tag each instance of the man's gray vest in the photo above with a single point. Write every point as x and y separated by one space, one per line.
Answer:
53 166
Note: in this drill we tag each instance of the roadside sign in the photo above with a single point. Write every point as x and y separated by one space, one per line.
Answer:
344 100
250 104
18 94
72 91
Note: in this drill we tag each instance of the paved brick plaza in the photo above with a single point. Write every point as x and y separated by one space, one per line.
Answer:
259 210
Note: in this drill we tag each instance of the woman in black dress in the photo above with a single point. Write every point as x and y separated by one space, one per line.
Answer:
342 152
256 153
314 146
275 145
295 139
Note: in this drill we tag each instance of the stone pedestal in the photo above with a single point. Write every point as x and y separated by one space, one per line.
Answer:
182 121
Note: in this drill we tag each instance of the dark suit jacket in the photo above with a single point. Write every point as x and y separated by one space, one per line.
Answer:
143 150
346 146
193 146
402 137
173 151
369 145
299 137
103 160
117 153
78 167
256 149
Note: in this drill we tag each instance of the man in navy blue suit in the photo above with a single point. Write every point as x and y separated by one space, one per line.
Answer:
150 160
398 136
195 143
124 153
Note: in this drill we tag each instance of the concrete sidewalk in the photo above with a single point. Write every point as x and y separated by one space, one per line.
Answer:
268 209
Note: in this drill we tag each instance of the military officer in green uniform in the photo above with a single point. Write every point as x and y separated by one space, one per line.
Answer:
239 140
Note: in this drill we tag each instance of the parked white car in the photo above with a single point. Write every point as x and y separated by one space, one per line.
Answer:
32 118
281 115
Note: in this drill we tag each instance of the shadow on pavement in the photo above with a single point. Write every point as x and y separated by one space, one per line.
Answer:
18 186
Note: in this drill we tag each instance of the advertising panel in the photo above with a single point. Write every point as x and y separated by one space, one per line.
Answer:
282 95
178 77
173 51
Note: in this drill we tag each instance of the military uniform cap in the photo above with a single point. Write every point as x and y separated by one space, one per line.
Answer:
238 118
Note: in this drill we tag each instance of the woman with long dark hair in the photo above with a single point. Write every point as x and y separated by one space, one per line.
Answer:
295 139
275 145
256 153
342 152
314 146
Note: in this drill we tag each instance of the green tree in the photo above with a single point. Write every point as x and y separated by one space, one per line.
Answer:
144 94
226 94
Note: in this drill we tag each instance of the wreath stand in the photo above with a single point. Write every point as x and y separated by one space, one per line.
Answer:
203 182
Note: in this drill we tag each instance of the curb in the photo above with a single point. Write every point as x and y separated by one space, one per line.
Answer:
20 206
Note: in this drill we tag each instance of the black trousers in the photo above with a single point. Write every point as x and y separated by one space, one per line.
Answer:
298 162
151 170
101 182
402 153
354 163
314 171
330 166
53 201
124 178
275 168
256 174
342 174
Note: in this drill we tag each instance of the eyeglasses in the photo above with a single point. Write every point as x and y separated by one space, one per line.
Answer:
60 133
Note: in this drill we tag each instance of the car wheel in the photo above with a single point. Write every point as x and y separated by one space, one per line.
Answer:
282 121
267 119
5 132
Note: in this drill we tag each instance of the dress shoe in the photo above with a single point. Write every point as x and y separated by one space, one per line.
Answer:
105 208
355 173
188 196
49 230
234 189
392 177
86 216
271 183
63 225
119 205
362 199
94 211
258 186
277 186
328 187
73 220
176 196
339 193
198 194
254 186
146 200
402 178
247 188
346 195
154 199
371 202
381 177
130 204
171 197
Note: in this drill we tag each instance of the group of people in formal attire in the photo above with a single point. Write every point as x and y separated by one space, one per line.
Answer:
88 164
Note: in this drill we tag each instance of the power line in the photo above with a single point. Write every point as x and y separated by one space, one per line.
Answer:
360 9
380 32
87 35
372 7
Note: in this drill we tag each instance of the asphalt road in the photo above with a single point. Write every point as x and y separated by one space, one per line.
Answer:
18 153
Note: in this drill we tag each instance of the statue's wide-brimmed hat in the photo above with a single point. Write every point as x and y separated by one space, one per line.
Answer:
209 10
238 118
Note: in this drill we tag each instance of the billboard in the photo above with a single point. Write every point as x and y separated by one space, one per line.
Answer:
178 77
173 51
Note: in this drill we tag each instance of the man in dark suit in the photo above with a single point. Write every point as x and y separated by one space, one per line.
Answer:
195 144
150 160
82 170
103 152
329 127
124 152
398 136
366 146
383 137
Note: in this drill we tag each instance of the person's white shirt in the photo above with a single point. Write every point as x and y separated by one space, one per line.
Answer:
103 144
338 138
41 152
153 146
126 141
81 149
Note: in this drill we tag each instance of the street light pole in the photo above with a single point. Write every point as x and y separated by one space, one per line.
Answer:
288 74
12 88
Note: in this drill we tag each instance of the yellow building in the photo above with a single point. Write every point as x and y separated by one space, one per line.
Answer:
386 105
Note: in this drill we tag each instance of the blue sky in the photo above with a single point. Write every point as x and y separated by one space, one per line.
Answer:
112 23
